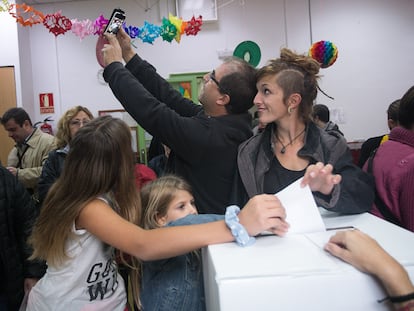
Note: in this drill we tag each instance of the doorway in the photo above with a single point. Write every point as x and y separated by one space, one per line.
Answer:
7 101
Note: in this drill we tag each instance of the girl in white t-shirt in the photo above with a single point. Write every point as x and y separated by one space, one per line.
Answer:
94 207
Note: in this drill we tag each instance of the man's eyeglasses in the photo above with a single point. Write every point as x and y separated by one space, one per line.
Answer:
78 123
213 78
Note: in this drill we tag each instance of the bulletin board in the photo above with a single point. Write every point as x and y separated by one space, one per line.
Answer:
126 117
186 9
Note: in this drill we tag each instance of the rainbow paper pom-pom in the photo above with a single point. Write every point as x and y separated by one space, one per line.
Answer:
325 52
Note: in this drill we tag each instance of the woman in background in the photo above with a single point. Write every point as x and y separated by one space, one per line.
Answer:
68 125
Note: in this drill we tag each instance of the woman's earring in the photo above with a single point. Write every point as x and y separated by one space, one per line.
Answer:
290 109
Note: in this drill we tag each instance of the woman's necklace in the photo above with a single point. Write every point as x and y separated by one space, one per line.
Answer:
283 150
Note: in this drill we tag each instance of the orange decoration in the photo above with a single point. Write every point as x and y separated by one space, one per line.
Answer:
25 14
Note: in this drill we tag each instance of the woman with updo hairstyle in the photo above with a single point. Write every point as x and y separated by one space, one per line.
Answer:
68 125
292 146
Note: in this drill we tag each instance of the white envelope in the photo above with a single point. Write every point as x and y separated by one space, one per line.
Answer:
301 210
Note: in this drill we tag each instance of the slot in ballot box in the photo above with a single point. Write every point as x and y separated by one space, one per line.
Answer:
295 273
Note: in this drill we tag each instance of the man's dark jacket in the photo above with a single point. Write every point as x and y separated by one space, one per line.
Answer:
17 215
203 148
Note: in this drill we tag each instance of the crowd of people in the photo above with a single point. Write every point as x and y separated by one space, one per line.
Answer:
76 202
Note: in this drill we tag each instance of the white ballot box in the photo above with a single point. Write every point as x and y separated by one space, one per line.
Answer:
295 273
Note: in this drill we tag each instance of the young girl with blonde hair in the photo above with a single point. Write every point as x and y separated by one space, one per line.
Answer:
94 207
175 283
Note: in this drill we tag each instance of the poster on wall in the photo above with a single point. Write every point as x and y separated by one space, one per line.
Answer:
186 9
126 117
46 103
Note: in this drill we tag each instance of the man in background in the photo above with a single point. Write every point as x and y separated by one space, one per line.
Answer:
321 116
17 215
32 147
203 138
374 142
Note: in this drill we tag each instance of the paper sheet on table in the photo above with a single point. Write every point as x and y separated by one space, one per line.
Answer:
301 210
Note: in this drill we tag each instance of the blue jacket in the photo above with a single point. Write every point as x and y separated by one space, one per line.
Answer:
176 283
51 171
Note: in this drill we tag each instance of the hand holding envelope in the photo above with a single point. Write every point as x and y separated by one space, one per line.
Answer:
302 213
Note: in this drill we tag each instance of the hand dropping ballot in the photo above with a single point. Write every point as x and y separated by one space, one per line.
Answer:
301 210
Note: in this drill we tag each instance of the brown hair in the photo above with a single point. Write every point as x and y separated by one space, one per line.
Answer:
295 73
100 161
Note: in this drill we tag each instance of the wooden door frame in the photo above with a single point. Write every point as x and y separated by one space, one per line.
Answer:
7 100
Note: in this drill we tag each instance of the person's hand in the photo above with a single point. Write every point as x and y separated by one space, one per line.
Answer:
319 177
358 249
111 51
28 284
12 170
125 42
264 212
364 253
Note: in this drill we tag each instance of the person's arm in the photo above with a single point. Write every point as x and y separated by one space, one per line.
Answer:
29 177
263 212
126 47
147 75
363 252
173 128
37 156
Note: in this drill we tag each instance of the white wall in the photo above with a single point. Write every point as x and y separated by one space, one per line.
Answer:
374 39
376 44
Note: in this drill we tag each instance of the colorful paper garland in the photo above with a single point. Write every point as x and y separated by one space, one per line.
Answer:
25 15
193 26
168 30
82 28
4 6
59 24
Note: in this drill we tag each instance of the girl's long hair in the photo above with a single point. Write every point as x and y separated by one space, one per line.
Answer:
100 161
